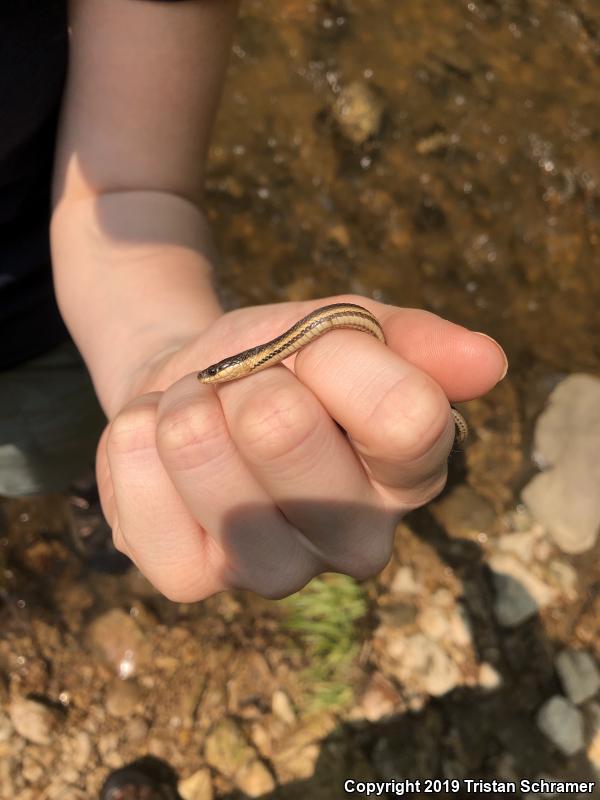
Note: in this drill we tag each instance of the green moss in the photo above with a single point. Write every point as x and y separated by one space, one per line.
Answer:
325 617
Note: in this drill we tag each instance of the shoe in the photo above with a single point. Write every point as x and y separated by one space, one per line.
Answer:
89 533
145 779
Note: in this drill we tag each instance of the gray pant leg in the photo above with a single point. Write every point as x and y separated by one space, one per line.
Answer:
50 423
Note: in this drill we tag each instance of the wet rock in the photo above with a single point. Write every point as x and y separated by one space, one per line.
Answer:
120 642
564 497
359 112
34 721
578 674
464 513
519 593
197 787
226 748
562 723
254 779
121 698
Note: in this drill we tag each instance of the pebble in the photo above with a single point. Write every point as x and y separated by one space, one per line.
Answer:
197 787
6 727
578 674
359 112
121 698
488 677
562 723
281 706
464 513
405 582
421 660
226 748
519 593
255 780
34 721
564 497
119 640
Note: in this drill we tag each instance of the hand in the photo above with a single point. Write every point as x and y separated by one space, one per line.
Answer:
252 484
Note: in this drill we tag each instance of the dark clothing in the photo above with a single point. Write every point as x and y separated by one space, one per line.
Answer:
33 65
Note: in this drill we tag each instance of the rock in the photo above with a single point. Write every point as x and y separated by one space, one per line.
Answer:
77 750
254 779
488 678
422 661
519 593
282 707
562 723
358 111
379 699
34 721
433 622
6 727
136 729
120 642
464 513
578 674
197 787
226 748
564 497
405 582
122 698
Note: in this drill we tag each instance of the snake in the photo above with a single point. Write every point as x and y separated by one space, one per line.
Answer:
306 330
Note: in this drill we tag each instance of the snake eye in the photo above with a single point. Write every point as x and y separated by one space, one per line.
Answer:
212 371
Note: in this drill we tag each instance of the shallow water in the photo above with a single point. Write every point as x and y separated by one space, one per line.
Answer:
476 197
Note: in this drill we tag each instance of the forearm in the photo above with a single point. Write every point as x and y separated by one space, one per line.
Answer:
133 278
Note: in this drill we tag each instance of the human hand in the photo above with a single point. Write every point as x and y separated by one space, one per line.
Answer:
252 484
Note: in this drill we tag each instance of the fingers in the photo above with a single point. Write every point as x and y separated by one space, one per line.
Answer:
262 550
150 521
306 465
397 417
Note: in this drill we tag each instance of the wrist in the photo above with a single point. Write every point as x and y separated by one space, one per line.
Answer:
133 277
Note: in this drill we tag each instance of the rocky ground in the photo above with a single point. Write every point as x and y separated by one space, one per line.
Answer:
428 154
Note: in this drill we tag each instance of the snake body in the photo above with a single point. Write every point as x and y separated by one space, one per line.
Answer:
307 329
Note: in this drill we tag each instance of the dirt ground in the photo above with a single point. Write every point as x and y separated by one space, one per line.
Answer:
437 155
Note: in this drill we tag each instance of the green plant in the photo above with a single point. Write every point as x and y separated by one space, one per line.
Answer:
325 616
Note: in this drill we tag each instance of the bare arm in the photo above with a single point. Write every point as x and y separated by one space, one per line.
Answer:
131 248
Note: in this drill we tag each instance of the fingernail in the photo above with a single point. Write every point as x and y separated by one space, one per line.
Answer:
479 333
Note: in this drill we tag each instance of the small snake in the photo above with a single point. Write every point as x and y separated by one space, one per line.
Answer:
315 324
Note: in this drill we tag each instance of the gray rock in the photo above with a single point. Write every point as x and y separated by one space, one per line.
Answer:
578 674
519 593
513 603
562 723
565 497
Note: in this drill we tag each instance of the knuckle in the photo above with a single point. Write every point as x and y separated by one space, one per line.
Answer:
275 424
132 430
370 561
403 429
186 436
